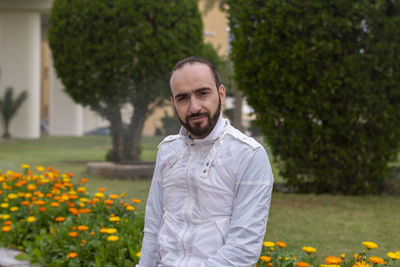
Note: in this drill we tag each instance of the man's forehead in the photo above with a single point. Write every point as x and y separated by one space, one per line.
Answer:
191 76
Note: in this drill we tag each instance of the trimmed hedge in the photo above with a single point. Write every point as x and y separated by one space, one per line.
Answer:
323 78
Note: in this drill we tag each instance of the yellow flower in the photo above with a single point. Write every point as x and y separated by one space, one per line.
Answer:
309 250
138 254
25 166
99 195
12 196
4 205
40 168
370 245
81 189
392 255
377 260
112 238
265 258
30 219
361 264
130 208
5 216
114 219
343 256
13 208
268 244
111 230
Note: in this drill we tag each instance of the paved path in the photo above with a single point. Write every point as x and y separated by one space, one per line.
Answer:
7 258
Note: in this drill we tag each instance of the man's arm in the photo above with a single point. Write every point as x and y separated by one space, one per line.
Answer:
153 218
249 217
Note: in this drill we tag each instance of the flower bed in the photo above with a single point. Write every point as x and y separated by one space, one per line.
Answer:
274 254
57 223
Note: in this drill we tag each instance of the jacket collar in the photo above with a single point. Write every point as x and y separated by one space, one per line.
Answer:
214 135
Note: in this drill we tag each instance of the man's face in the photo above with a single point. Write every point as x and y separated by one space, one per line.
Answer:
196 99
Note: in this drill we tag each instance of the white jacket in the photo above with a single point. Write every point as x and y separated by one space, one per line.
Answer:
208 202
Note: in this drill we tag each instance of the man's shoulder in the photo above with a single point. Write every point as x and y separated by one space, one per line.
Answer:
243 138
168 140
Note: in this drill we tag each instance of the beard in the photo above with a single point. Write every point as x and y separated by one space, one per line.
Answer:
196 129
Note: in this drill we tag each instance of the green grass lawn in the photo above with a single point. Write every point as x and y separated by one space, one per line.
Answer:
332 224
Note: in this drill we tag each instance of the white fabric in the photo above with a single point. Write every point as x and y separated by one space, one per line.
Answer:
208 202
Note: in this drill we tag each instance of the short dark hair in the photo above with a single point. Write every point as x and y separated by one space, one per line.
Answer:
192 60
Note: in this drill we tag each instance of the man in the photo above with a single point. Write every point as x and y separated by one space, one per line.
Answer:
209 199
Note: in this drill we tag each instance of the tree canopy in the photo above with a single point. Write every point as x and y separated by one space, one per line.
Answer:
323 78
112 52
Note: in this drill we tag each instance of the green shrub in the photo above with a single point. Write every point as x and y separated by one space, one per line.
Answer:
323 78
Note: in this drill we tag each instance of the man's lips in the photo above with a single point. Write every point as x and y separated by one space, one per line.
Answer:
197 117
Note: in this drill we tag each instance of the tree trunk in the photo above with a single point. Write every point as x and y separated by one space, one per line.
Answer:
133 135
117 134
237 110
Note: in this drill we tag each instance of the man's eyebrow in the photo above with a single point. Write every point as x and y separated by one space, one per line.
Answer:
193 91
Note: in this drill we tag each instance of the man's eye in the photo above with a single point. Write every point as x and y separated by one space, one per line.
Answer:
203 93
181 98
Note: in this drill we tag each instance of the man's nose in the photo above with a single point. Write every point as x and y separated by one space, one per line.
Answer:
195 106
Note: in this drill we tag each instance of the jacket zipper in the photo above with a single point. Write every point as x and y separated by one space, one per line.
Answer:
187 209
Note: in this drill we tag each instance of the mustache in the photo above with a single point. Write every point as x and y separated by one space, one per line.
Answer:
197 115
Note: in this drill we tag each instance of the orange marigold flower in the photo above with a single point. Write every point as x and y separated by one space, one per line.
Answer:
102 189
60 219
376 260
302 264
84 180
265 259
281 244
361 264
25 203
39 202
7 222
136 200
73 211
72 255
6 228
42 209
108 201
73 234
83 228
92 233
54 204
333 260
114 196
73 196
83 242
31 187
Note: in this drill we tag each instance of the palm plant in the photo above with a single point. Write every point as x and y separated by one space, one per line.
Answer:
9 107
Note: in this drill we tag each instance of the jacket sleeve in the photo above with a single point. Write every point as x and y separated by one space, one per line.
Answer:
249 217
153 219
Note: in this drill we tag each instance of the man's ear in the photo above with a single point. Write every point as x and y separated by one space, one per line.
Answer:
222 93
172 100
